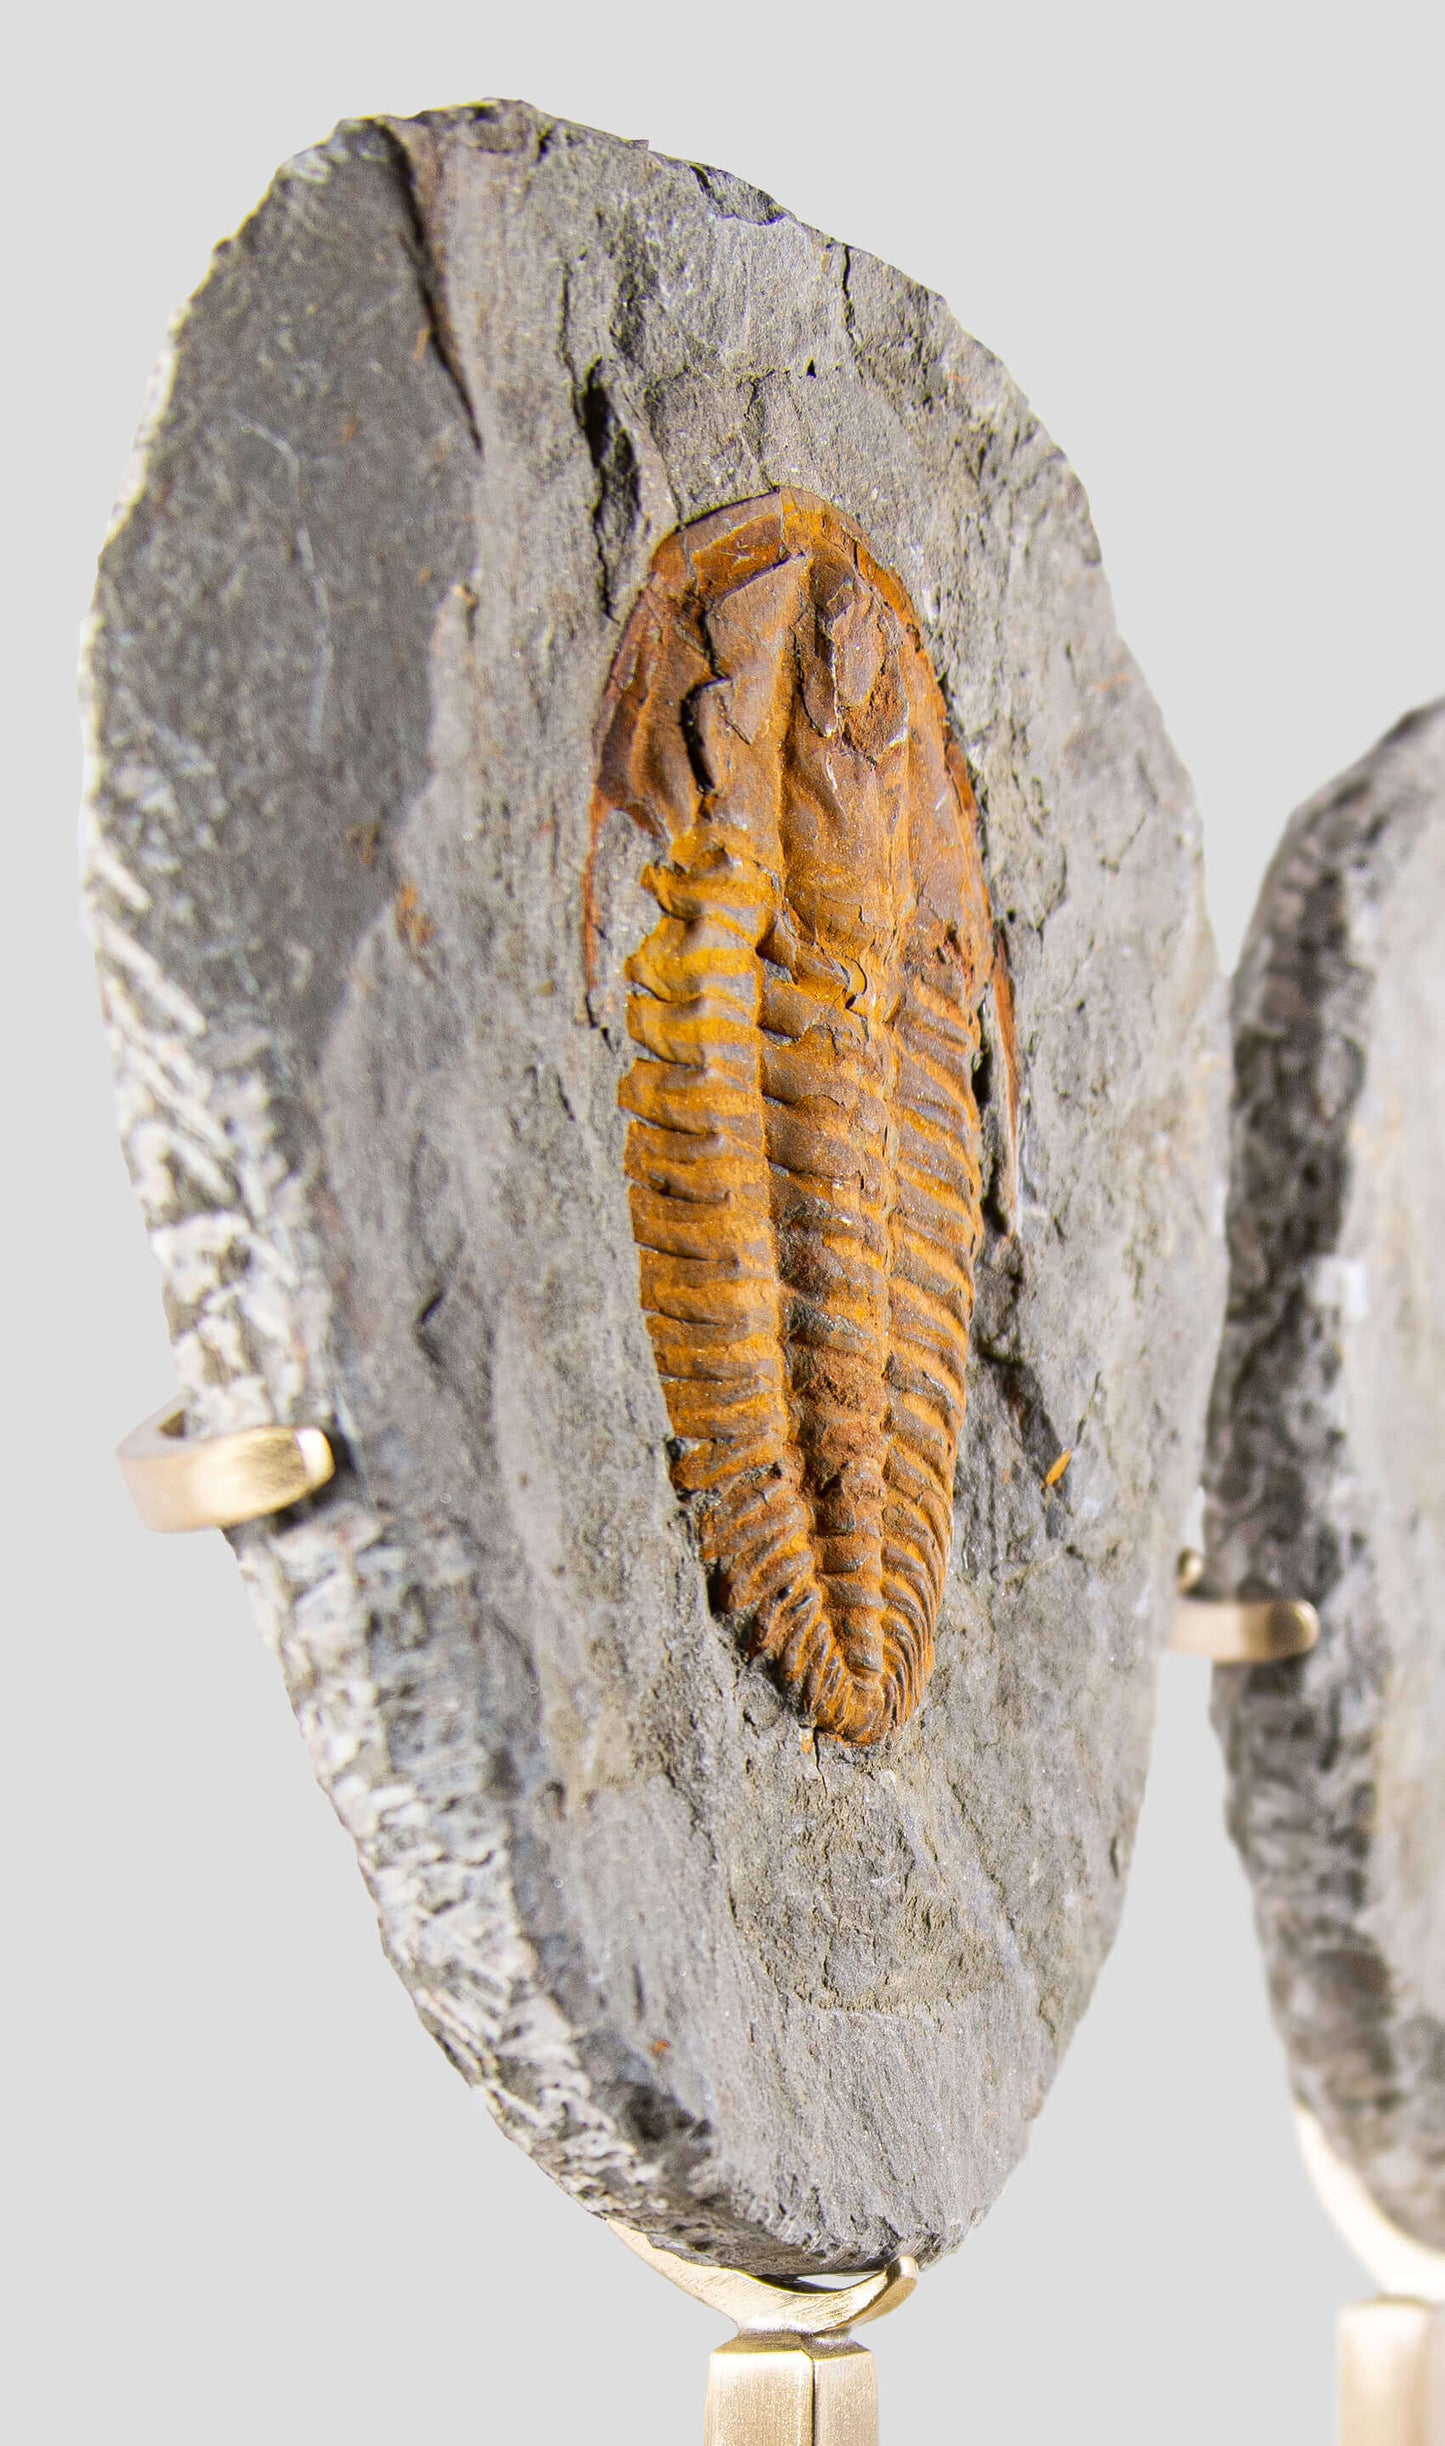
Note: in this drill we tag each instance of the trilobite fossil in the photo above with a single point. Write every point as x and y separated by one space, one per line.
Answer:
804 1150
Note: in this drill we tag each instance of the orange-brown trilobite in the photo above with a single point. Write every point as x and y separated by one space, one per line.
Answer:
804 1152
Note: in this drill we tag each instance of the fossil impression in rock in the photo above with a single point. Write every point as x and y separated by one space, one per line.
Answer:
368 872
805 1152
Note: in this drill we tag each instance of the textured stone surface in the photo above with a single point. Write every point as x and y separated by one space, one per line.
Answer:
421 433
1326 1470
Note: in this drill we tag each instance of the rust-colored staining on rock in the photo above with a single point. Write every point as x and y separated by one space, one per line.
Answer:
804 1151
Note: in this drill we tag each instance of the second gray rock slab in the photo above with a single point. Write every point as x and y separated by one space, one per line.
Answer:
1327 1457
421 432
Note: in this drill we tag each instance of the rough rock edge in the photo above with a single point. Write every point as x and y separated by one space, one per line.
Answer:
1284 1509
249 1274
244 1283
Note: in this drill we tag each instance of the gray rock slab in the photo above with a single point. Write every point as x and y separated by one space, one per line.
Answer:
416 440
1326 1468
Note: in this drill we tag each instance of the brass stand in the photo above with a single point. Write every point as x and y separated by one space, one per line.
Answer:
1392 2373
1392 2349
792 2375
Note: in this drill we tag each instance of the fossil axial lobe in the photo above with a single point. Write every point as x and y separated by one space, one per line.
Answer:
805 1150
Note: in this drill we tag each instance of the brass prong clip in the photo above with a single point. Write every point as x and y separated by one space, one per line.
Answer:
1237 1630
792 2375
181 1481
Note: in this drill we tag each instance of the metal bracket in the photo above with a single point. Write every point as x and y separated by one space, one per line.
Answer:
1236 1630
1392 2349
178 1481
792 2376
1392 2373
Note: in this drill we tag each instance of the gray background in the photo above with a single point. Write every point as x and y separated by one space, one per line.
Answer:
246 2196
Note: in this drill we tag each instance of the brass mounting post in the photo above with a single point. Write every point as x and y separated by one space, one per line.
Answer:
1392 2349
792 2375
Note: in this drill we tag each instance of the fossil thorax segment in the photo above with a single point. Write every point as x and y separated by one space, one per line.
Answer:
804 1148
